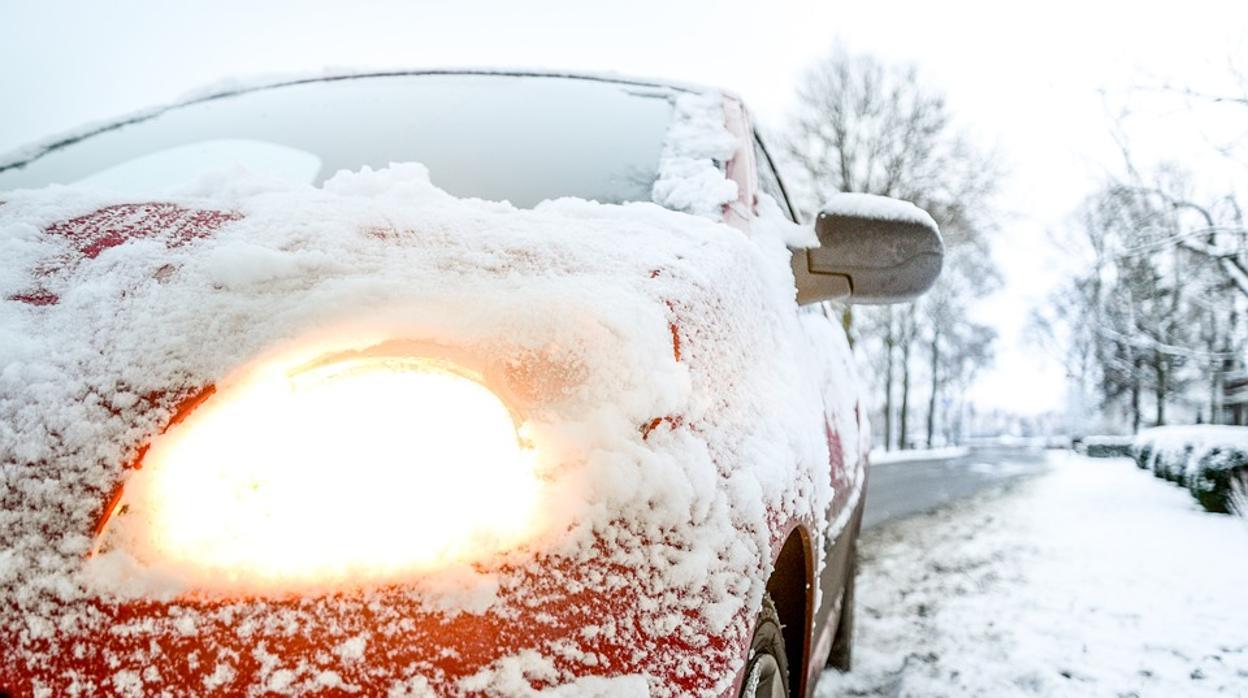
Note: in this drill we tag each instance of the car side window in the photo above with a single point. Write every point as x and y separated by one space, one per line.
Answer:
769 180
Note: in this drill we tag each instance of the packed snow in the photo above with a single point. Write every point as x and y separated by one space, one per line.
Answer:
697 144
1092 580
662 372
881 208
774 223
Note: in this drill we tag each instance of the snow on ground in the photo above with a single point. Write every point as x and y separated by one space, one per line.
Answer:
879 456
1093 580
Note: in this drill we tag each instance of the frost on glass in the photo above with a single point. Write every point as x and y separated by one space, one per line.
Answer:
523 139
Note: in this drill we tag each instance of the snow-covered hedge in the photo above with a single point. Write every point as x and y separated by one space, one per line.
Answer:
1207 459
1106 446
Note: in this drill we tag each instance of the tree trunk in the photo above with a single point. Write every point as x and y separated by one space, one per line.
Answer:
1136 365
931 403
902 437
1159 391
890 339
1215 380
1215 368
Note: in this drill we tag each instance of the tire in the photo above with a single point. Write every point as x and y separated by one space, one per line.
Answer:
767 671
841 657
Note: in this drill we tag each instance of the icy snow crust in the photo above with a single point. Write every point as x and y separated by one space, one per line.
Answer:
679 426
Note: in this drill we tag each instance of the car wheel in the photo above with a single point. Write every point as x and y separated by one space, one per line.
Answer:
842 655
767 673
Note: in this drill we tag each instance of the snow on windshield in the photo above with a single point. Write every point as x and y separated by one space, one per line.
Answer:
691 176
164 170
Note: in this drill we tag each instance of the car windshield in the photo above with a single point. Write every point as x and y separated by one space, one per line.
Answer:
523 139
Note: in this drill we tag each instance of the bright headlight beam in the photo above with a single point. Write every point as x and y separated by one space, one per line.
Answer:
353 471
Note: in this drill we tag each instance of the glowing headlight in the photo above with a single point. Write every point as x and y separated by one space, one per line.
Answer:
358 469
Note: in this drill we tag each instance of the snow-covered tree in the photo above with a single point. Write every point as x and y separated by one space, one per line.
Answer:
1152 321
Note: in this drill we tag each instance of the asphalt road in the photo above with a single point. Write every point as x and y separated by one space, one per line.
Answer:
896 490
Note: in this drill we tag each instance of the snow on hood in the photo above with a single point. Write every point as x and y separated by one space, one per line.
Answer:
689 416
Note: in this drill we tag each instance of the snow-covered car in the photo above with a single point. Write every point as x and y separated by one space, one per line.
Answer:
558 410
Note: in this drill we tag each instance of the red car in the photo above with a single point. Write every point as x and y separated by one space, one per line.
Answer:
559 411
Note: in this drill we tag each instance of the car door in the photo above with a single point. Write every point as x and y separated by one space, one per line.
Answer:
839 380
845 430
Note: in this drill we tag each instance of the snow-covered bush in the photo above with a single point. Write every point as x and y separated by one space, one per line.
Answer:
1209 460
1166 451
1173 465
1142 452
1239 493
1107 446
1218 472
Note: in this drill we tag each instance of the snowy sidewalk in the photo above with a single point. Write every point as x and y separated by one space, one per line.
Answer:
1096 579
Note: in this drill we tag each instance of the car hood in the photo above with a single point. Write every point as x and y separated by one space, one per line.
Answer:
657 355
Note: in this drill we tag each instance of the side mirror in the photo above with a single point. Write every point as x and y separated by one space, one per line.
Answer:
872 250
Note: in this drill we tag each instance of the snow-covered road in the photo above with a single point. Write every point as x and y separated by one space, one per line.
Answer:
1094 579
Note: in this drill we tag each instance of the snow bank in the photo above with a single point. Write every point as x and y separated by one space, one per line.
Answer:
881 457
656 358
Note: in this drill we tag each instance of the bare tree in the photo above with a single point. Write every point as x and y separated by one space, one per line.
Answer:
866 126
886 327
1156 323
1218 231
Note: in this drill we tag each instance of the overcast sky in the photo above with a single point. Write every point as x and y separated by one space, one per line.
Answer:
1037 81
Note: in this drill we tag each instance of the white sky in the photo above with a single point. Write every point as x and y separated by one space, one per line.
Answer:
1026 78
